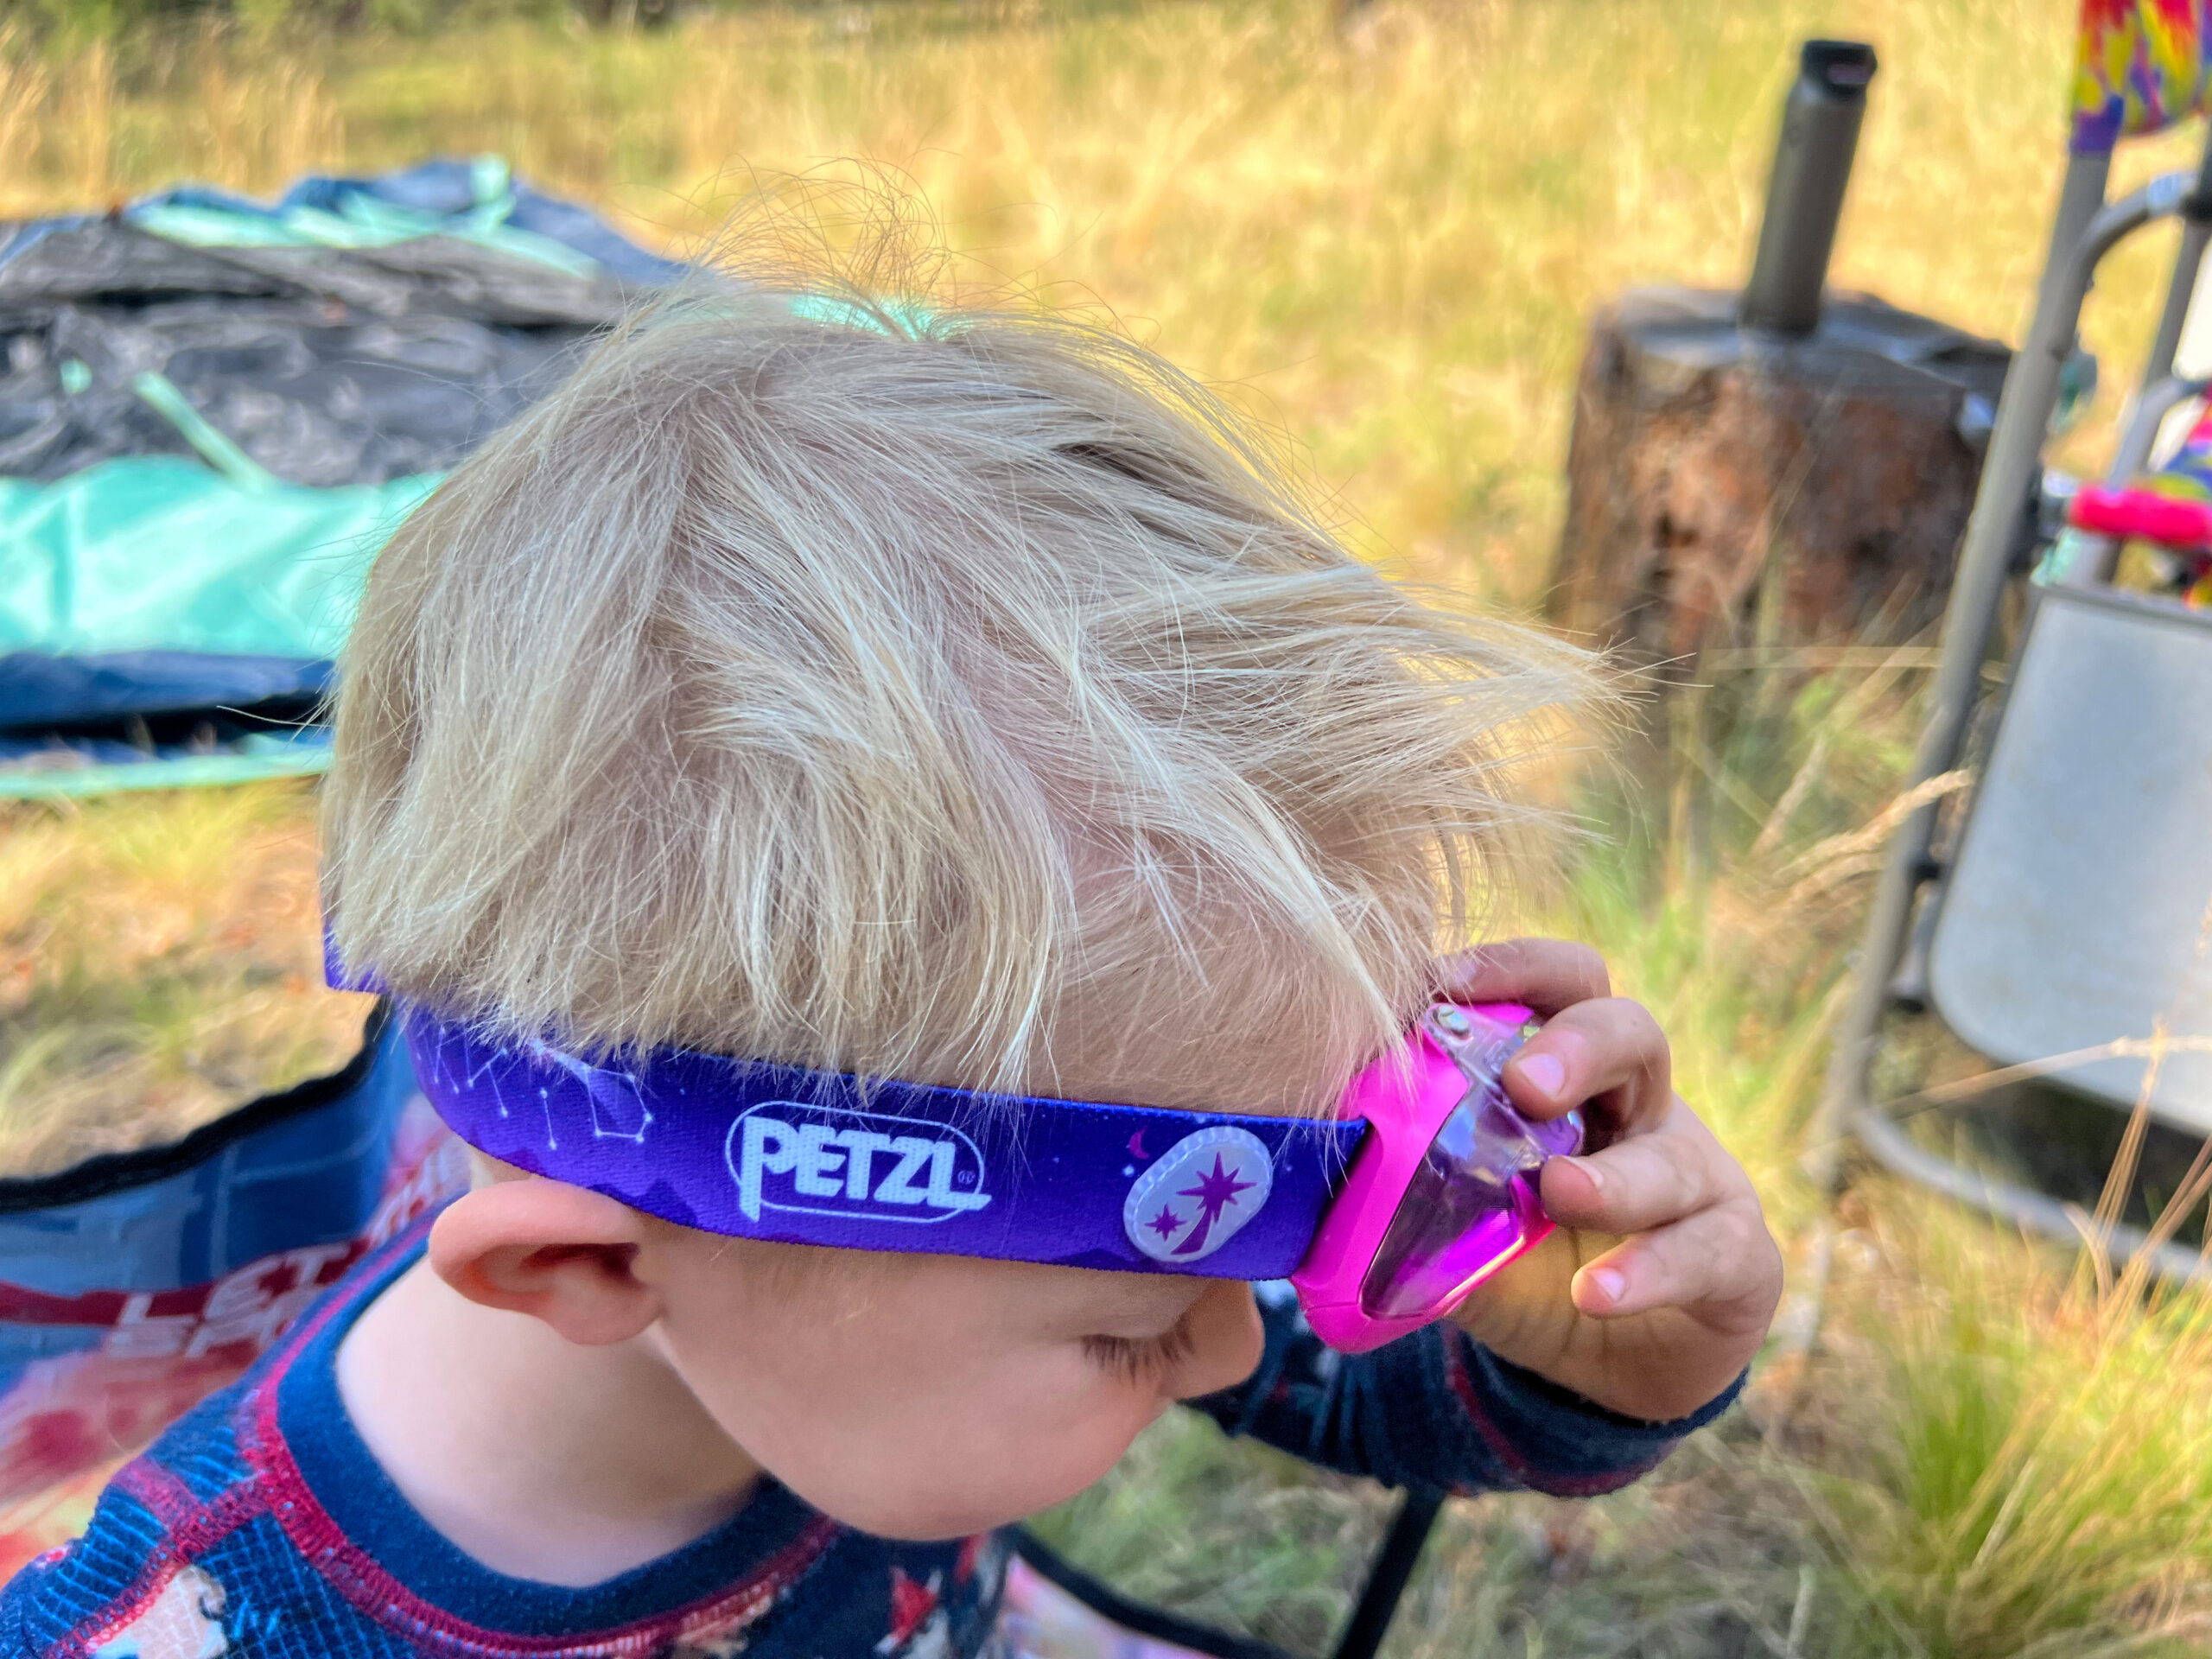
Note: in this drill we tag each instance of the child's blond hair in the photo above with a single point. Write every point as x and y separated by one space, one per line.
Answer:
965 696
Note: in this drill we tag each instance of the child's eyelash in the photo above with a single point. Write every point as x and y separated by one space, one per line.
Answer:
1135 1358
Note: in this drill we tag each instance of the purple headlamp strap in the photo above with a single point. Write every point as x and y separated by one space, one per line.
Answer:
758 1151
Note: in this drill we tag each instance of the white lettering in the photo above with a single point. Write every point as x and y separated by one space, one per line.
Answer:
257 1326
308 1262
756 1159
897 1187
140 1333
914 1178
941 1193
861 1145
818 1161
245 1292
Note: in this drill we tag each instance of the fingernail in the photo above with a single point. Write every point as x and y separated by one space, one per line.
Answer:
1596 1176
1609 1281
1545 1073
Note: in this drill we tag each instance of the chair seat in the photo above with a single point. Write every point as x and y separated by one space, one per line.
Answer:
2078 908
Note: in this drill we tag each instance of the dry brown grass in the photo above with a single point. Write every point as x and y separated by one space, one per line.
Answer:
1386 239
160 964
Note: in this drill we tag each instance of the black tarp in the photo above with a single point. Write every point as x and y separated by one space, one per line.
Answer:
326 364
354 332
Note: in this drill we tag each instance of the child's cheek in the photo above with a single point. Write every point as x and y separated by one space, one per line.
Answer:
908 1434
1056 1429
962 1467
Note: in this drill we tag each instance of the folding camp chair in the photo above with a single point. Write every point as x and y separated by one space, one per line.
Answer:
2064 926
132 1286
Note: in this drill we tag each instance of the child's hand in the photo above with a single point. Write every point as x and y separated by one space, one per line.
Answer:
1659 1281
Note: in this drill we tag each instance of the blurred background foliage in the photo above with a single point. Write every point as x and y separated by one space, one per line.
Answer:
1384 232
83 20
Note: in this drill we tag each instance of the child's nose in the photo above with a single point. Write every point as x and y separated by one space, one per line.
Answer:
1225 1342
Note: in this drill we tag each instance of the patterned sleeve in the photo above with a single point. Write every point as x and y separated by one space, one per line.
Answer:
1436 1409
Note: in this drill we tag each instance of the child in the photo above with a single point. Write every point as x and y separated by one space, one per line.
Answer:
967 702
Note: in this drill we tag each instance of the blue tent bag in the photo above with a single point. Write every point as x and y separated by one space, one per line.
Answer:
133 1285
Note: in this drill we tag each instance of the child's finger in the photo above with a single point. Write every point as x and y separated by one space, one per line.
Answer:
1548 974
1609 1050
1720 1265
1643 1182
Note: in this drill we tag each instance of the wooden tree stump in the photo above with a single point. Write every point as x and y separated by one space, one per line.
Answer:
1713 470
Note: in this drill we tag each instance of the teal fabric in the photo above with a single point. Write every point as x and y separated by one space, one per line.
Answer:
216 450
161 553
158 552
299 754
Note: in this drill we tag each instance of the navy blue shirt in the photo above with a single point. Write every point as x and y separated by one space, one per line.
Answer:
259 1526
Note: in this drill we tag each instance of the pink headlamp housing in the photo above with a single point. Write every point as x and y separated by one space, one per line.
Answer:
1442 1191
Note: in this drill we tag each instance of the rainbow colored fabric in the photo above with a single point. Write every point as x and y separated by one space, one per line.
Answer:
2139 66
2188 475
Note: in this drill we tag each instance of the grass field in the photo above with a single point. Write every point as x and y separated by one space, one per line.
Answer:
1386 240
160 961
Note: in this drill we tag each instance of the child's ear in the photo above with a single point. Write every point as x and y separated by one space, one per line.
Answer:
555 1252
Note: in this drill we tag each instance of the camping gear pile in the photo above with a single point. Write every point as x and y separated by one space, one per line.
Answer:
214 411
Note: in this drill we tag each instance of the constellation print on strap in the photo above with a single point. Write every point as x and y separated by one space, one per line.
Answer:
696 1138
618 1110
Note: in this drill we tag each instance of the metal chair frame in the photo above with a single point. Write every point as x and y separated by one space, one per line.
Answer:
2000 530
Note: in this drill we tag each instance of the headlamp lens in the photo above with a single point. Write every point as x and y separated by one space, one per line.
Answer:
1472 1204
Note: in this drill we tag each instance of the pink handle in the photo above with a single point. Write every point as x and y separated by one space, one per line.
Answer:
2142 513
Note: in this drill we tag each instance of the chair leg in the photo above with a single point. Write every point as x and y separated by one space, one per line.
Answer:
2002 503
2181 289
1392 1570
2032 1211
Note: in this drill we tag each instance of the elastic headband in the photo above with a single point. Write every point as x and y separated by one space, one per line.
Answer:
779 1152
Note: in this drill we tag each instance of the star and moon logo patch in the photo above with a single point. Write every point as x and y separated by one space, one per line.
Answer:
1199 1194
